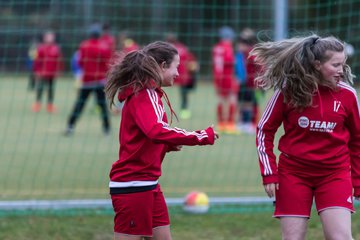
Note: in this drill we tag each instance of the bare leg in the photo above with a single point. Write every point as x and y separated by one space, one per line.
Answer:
120 236
161 233
336 223
293 228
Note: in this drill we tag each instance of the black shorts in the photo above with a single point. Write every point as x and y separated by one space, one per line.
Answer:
246 94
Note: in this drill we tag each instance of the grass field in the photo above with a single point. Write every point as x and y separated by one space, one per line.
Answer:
38 162
98 226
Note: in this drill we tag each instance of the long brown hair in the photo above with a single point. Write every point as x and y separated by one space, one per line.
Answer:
289 65
139 69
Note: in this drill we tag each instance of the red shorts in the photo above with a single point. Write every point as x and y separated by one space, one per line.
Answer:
138 213
296 193
226 87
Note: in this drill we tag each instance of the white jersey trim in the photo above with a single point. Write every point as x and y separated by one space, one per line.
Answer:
132 184
352 90
159 111
264 158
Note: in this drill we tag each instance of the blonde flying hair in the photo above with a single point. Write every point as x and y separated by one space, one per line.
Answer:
289 65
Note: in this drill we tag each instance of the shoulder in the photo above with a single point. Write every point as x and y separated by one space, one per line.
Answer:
346 94
147 94
57 46
346 89
84 43
145 98
41 47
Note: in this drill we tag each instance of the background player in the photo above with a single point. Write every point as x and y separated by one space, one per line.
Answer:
226 86
187 73
47 66
94 56
246 69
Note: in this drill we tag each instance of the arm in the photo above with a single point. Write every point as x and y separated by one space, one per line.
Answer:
150 117
38 61
80 59
192 64
267 127
353 123
60 62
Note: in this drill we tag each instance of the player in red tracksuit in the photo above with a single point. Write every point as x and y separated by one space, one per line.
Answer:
94 57
248 104
320 148
107 37
187 73
47 66
145 138
225 84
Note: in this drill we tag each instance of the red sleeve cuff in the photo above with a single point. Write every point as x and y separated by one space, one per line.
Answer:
357 191
270 179
211 134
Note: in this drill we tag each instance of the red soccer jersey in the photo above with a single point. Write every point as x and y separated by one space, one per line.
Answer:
145 137
48 61
320 138
109 40
94 56
251 69
186 57
223 65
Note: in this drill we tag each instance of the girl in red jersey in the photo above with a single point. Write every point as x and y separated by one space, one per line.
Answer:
145 137
320 147
47 66
226 87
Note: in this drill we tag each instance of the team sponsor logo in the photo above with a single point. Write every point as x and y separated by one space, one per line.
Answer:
303 122
316 125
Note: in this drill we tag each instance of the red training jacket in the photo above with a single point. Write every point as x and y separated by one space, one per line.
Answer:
251 69
48 62
317 140
109 40
94 56
145 137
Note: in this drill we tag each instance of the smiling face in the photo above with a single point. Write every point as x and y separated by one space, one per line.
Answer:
170 72
332 69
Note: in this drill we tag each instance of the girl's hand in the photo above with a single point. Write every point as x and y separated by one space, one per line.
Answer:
271 188
174 148
216 134
177 148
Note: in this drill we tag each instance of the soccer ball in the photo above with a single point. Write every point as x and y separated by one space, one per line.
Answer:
196 202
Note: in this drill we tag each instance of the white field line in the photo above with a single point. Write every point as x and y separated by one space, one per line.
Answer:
106 203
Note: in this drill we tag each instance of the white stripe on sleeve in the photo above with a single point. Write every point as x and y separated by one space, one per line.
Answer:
263 156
